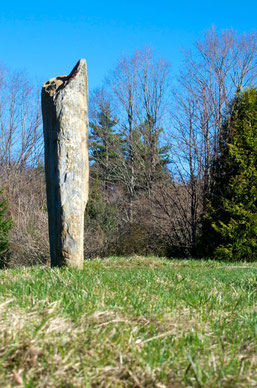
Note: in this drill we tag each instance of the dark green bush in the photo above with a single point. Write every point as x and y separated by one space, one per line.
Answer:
5 227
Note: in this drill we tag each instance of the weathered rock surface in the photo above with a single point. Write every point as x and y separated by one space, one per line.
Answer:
65 121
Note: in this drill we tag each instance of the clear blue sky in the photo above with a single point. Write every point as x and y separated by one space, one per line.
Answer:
46 38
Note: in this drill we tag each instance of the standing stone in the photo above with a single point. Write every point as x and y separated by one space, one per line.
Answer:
65 121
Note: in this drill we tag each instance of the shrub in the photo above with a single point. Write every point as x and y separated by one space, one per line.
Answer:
232 209
5 227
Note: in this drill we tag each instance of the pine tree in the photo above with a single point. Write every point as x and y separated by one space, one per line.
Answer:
105 144
5 226
231 222
153 158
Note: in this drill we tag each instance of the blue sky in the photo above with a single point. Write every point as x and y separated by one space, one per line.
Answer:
46 38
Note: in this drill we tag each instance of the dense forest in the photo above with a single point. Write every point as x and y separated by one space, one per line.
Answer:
173 157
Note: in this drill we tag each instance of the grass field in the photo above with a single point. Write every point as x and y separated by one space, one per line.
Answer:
129 322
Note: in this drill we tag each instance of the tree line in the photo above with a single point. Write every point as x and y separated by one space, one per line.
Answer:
172 158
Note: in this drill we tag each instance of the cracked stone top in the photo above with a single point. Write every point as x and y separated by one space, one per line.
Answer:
55 84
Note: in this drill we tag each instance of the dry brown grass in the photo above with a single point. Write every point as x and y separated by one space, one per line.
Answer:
47 348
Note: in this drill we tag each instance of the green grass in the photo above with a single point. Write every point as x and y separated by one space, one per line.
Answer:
129 322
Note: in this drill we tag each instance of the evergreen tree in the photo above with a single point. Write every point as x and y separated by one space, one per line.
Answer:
153 158
105 144
230 226
5 226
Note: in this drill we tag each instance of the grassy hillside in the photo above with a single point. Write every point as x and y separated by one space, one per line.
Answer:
130 322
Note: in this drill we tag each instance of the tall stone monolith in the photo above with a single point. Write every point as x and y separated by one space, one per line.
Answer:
65 121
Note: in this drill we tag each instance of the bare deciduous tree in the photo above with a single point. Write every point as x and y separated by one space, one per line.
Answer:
139 87
219 66
20 119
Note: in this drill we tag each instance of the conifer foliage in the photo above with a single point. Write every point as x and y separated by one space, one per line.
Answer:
5 226
105 143
232 206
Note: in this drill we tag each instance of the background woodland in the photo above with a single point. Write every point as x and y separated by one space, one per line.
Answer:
173 157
